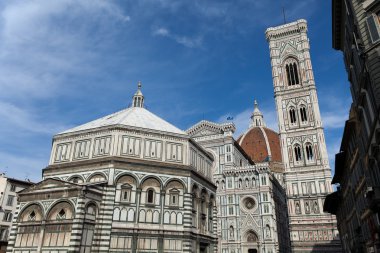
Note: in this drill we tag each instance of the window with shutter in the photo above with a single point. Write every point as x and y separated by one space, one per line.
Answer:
373 27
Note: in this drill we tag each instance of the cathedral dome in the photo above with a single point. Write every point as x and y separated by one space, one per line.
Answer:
259 142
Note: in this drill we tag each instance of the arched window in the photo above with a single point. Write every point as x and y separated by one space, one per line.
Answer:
309 152
292 114
150 196
303 114
292 73
297 153
240 183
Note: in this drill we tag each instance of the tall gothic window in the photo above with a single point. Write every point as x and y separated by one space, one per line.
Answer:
303 114
292 114
309 152
292 73
297 153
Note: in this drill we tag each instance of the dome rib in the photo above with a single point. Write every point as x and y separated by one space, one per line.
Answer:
261 144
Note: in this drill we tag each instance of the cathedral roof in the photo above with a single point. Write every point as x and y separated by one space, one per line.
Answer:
259 142
134 117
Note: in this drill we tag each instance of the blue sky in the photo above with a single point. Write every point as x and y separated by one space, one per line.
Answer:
64 63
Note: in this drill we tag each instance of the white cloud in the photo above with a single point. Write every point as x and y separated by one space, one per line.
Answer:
334 119
39 44
190 42
161 31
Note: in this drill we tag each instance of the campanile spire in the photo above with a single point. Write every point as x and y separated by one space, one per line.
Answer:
257 118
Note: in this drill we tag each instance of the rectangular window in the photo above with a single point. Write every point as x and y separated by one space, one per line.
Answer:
229 183
265 197
228 148
7 216
13 187
174 197
229 158
102 146
172 245
304 191
263 180
174 152
131 146
295 188
126 194
313 189
153 149
82 149
230 210
230 199
193 156
10 200
62 152
266 208
373 27
322 186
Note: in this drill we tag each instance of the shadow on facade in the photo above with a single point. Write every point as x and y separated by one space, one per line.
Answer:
282 220
328 247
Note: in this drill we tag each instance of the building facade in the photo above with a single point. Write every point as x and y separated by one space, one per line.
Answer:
8 204
356 203
250 197
304 153
127 182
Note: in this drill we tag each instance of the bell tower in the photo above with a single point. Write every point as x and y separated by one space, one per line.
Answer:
304 153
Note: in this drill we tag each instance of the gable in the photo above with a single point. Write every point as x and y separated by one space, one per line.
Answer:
288 48
207 128
47 184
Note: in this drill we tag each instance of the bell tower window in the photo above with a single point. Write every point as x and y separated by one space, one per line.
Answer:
297 153
309 152
292 114
292 73
303 114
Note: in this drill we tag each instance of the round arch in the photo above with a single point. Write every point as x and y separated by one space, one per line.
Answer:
117 178
26 207
97 174
175 180
151 177
58 202
75 176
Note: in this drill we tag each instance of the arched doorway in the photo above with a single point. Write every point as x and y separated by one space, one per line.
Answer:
251 242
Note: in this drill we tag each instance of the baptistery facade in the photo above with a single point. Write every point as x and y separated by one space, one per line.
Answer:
128 182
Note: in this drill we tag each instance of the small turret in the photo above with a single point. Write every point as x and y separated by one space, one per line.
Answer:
138 98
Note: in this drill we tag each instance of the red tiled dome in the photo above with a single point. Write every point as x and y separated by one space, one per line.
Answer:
261 144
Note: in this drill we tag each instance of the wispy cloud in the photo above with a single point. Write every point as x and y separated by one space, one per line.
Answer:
190 42
15 118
